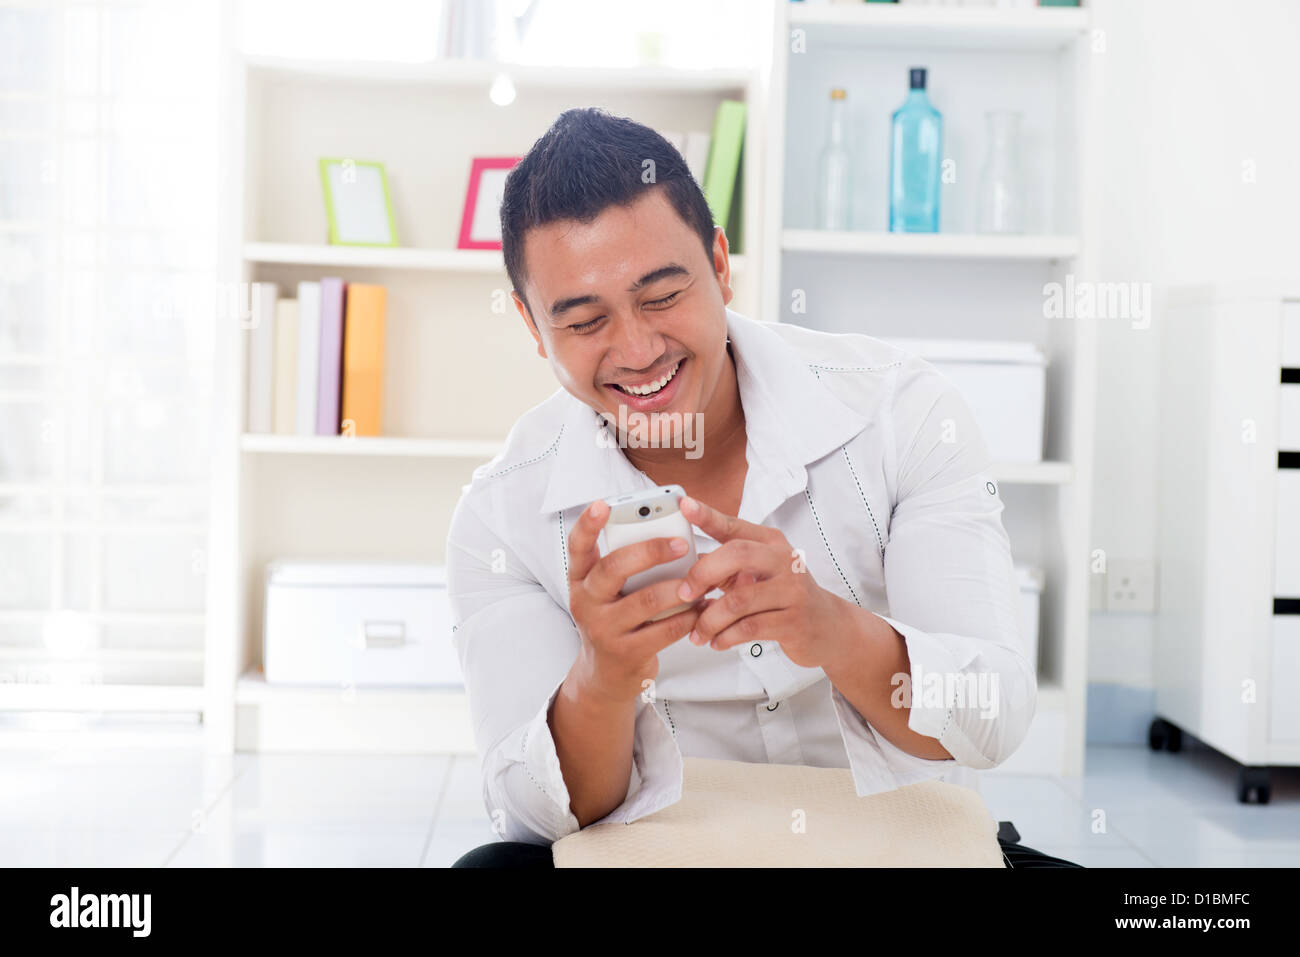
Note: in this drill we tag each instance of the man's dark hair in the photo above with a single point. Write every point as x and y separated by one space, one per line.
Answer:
586 162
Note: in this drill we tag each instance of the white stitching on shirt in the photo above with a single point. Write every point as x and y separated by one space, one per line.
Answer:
669 715
870 514
564 545
824 368
535 458
813 509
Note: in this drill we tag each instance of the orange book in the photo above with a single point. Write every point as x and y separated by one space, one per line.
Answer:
363 360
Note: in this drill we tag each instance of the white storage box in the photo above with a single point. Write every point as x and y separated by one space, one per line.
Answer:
1030 582
359 624
1005 385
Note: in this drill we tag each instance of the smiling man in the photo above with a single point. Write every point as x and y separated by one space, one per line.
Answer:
853 603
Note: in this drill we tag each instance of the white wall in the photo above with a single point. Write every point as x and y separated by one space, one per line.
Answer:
1195 93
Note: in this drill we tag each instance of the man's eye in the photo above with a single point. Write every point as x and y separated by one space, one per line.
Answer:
666 301
585 326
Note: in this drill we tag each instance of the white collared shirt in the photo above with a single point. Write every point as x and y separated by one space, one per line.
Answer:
869 461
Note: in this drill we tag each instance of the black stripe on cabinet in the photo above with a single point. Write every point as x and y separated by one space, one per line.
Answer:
1288 460
1286 606
1291 376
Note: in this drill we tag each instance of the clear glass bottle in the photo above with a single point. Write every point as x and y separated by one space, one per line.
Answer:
833 167
1001 204
915 157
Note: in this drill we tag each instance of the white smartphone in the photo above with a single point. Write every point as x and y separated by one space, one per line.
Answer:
644 515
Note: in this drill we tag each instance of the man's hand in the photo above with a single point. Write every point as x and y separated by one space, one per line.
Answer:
620 646
768 593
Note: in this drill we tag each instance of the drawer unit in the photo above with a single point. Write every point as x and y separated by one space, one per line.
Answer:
1288 416
1229 529
1284 714
341 624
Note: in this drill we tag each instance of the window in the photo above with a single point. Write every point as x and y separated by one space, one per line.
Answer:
108 245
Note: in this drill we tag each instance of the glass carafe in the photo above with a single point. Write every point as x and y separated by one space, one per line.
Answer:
1001 205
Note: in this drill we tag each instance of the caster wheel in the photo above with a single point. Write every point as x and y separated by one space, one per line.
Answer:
1253 784
1174 741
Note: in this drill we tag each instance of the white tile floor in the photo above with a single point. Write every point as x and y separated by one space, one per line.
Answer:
96 806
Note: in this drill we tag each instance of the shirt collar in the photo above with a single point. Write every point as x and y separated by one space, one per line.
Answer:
791 421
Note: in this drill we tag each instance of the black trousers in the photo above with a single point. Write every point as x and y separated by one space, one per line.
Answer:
519 854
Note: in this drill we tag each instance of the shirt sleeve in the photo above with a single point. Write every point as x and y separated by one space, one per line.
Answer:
952 595
516 645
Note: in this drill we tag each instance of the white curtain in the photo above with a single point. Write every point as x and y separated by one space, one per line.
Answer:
108 241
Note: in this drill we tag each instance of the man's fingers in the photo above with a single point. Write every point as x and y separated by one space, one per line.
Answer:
762 626
736 604
608 576
583 553
655 636
732 559
720 525
632 611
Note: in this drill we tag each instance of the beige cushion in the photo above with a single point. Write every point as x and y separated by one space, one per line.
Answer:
734 814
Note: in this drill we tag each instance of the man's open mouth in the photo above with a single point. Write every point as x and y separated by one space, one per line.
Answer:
651 387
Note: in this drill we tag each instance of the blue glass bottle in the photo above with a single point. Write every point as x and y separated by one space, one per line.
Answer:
914 162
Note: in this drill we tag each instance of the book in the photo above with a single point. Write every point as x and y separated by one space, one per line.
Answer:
696 154
261 350
363 359
724 159
329 379
308 357
285 374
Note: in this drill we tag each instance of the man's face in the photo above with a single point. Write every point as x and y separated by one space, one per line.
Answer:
630 302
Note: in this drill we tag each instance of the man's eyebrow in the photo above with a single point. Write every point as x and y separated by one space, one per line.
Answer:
561 306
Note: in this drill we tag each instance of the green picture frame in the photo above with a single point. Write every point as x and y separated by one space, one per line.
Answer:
358 220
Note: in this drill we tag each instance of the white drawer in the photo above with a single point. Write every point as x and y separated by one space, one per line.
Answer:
1286 563
1284 716
1288 435
364 635
1291 335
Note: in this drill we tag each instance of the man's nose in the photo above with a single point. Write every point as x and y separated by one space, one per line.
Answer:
637 344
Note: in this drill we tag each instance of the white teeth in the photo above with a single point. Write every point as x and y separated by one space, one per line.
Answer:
652 387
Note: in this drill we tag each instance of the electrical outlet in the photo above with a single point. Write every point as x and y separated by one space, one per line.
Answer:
1130 585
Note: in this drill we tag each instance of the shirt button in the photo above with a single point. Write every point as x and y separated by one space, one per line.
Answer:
756 649
773 707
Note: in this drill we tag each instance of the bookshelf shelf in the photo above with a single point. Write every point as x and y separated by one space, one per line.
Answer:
1033 473
474 73
1013 473
888 26
403 258
931 245
384 446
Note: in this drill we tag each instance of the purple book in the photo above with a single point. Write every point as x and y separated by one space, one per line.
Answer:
332 293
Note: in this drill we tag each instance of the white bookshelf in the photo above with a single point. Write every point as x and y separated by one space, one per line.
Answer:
957 283
391 497
448 343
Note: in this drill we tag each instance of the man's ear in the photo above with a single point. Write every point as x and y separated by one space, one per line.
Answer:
722 263
528 321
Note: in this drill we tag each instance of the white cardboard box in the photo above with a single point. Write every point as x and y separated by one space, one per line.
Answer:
1030 582
1005 385
358 624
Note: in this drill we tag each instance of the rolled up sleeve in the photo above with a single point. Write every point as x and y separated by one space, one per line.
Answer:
516 645
952 595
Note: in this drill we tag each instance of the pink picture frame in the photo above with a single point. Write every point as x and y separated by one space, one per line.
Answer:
480 227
